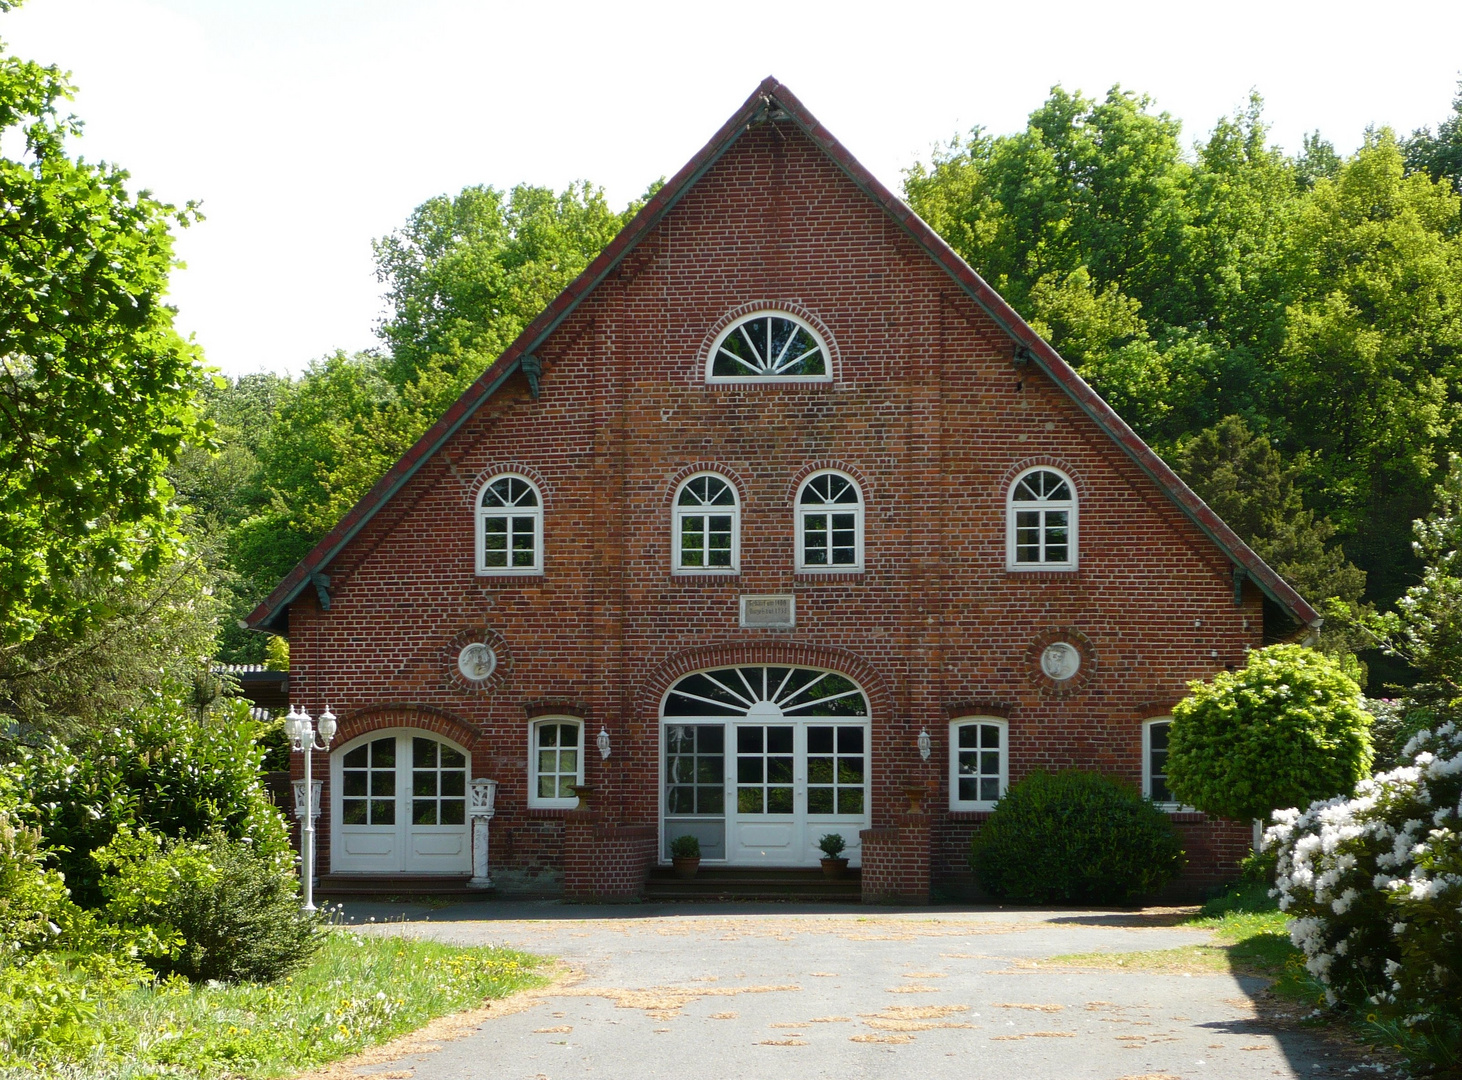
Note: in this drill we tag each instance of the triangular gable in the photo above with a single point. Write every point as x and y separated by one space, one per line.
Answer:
773 101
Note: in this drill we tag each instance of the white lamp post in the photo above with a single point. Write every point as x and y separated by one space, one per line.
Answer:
300 729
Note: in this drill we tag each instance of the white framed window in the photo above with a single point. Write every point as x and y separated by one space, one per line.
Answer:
979 762
707 536
769 346
555 761
829 523
1155 762
509 526
1040 526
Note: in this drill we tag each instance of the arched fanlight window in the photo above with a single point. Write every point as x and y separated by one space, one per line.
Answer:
1041 521
509 527
769 346
707 526
829 523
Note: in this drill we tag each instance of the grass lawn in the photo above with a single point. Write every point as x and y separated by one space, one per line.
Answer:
1250 939
358 992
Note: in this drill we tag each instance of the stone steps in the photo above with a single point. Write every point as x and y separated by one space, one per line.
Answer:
754 883
396 885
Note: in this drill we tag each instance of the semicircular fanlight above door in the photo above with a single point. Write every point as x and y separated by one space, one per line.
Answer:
766 691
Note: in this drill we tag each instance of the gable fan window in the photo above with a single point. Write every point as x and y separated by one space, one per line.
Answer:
557 763
707 526
1041 521
509 527
769 346
979 762
829 523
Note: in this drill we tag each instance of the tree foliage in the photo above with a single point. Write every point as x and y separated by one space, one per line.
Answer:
1317 299
1286 729
96 387
163 768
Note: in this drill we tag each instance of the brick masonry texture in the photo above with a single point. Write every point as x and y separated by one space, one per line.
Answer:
929 414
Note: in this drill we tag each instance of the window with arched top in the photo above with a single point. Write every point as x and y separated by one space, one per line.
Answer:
979 762
509 527
556 762
1041 521
707 536
829 523
1155 762
769 346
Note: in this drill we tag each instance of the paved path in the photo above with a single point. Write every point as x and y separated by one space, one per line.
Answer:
676 991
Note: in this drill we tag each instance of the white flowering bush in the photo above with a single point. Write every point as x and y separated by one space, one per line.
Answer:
1374 887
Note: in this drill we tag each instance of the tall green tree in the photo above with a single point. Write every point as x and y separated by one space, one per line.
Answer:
97 389
465 274
1439 155
1243 478
1315 298
1366 377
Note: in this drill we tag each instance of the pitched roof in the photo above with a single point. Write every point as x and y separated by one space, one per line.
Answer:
773 101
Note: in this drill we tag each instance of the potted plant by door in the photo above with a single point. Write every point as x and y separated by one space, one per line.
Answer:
685 855
834 862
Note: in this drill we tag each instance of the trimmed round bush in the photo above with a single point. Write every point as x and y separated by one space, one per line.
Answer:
1285 730
1075 837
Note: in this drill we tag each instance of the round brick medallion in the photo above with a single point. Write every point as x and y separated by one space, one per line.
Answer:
476 659
1061 661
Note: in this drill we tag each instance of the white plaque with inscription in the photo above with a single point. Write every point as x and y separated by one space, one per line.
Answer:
769 612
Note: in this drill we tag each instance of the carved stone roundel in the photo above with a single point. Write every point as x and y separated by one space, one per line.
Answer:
1060 661
476 662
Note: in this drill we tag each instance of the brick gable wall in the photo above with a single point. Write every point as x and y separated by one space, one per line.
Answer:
927 412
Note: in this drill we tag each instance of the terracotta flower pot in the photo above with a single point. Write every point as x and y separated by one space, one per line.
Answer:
834 868
686 867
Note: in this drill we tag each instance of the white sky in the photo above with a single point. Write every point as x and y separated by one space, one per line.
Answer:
308 127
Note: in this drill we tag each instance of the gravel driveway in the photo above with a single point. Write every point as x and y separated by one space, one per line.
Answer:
768 991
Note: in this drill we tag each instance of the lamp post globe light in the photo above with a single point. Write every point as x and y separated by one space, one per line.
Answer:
306 736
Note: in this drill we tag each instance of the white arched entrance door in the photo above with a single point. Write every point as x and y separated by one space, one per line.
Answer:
759 762
400 804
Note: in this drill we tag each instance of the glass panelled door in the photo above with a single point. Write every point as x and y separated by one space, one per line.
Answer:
761 762
400 805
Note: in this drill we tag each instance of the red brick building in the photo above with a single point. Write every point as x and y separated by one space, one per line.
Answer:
777 522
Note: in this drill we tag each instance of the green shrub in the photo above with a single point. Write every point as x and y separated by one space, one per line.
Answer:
1075 836
1286 729
832 845
228 911
35 907
685 847
161 769
1373 886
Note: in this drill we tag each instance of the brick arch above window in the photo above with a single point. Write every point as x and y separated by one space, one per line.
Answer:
741 311
719 468
1058 463
422 717
778 653
865 489
515 468
1155 710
